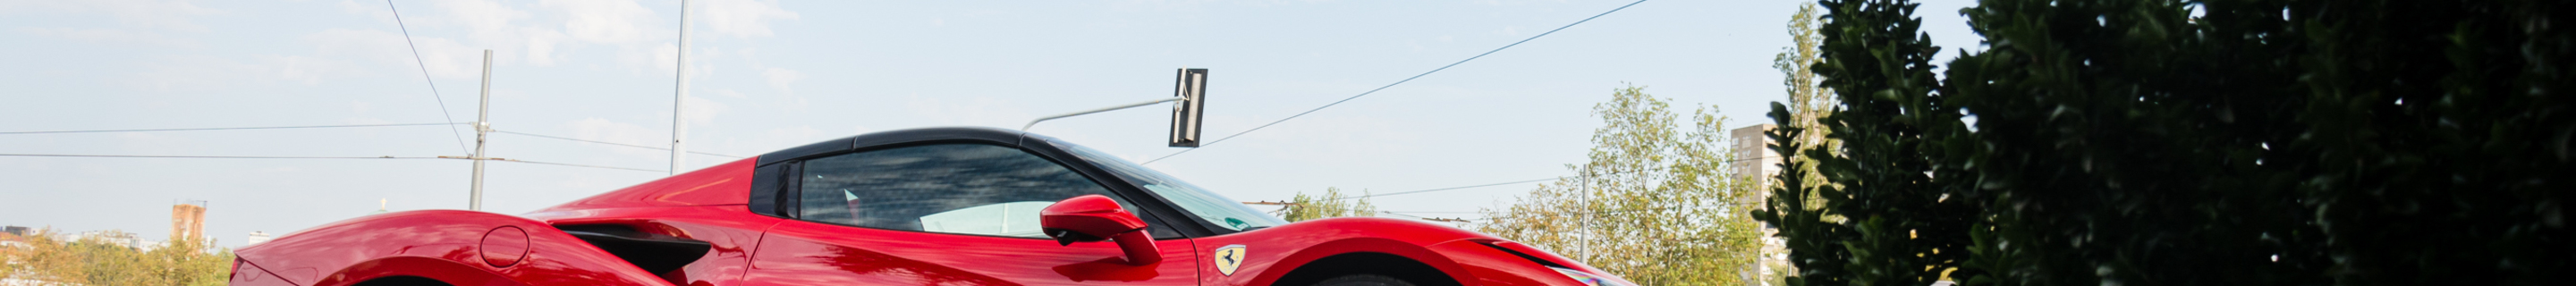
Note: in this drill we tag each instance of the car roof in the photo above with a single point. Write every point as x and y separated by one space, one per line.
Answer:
1005 137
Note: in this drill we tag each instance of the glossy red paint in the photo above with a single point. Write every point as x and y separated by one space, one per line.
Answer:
435 244
1272 253
1095 215
474 248
808 253
725 184
245 274
1098 216
504 246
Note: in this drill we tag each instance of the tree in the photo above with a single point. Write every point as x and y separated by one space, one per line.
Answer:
1332 204
1808 100
1656 203
1881 218
105 259
2146 142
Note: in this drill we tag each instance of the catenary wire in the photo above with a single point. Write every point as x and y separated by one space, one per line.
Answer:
424 76
575 165
1572 213
1450 188
611 143
305 157
1479 186
1408 79
225 128
209 157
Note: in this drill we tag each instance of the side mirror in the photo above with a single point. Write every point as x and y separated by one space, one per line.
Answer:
1094 218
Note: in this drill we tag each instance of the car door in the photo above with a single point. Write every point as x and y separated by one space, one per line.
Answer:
946 214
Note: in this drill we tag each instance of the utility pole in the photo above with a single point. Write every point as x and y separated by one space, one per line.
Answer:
482 126
679 121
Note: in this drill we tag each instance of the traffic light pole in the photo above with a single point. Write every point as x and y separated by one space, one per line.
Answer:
1034 123
482 127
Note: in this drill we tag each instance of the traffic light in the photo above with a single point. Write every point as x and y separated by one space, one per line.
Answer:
1191 87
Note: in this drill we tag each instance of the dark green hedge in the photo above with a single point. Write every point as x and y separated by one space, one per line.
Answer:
2131 142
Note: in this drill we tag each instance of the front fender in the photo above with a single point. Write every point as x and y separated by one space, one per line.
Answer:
446 245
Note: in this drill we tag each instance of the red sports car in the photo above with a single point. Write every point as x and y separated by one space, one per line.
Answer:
937 206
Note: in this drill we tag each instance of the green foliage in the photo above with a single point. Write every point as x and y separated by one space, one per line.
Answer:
2287 142
1881 219
1656 202
1332 204
102 259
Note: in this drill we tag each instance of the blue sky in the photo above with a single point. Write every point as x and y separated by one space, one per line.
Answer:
774 74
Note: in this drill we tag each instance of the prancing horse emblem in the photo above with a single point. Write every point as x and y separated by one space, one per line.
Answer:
1228 258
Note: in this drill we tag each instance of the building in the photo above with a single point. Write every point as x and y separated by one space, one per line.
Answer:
256 238
1754 159
188 219
1755 162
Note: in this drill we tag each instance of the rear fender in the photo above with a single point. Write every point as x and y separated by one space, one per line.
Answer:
457 247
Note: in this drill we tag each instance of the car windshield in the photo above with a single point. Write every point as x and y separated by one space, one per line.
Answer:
1223 212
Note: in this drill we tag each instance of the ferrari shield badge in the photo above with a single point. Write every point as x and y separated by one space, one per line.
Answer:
1228 258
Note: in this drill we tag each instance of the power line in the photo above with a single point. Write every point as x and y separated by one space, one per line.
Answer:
223 128
613 143
307 157
424 76
1477 186
209 157
1575 213
1450 188
1408 79
583 166
548 163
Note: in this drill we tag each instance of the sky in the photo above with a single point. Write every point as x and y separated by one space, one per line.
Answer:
772 74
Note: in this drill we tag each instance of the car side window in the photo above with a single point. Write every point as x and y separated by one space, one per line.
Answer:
946 188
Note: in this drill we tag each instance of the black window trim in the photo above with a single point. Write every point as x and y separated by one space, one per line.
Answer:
790 193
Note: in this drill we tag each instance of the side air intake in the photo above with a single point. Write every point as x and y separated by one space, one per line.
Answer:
655 253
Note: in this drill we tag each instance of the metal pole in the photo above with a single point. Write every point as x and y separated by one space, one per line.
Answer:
1034 123
482 126
679 122
1589 206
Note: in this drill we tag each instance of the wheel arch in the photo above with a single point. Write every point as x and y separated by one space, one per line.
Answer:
410 270
405 280
1379 256
1354 263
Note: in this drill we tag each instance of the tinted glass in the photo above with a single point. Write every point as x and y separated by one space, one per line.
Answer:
1226 213
951 188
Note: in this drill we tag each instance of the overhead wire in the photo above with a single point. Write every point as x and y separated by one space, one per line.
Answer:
1571 213
1407 79
611 143
211 157
1478 186
226 128
1451 188
308 157
424 76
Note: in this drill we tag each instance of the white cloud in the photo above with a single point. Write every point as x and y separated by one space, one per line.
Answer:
703 112
308 70
443 57
203 73
744 18
662 61
150 14
608 21
110 36
780 78
978 111
597 129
